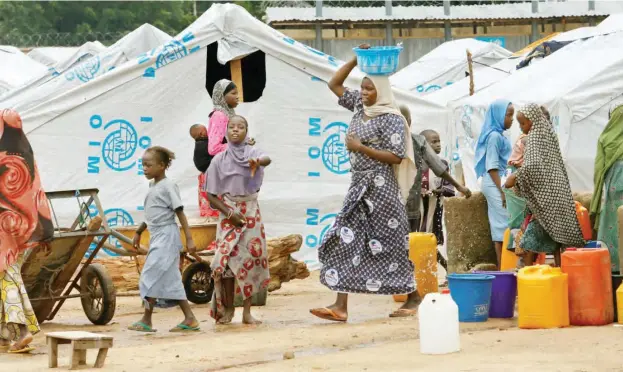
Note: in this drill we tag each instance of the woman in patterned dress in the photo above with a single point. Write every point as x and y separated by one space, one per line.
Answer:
492 153
234 180
608 180
366 250
543 182
24 223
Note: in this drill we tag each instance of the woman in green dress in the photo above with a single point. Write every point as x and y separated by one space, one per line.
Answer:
608 179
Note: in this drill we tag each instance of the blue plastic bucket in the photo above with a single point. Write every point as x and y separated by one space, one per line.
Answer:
472 294
378 60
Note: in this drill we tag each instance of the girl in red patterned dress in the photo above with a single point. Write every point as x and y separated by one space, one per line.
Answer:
234 179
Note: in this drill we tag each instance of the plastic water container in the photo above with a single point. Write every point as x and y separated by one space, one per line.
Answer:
439 324
503 294
381 60
423 254
472 293
617 280
584 220
590 286
509 259
543 297
619 304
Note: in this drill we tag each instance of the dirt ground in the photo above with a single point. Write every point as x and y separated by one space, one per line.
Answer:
369 342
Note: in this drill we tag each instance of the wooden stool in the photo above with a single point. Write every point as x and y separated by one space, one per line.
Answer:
80 342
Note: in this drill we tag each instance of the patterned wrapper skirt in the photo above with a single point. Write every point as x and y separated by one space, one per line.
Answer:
15 307
367 249
240 253
204 204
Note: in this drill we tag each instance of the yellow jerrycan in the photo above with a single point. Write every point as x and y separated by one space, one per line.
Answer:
543 297
423 254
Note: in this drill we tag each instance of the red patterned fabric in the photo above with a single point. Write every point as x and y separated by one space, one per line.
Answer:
24 210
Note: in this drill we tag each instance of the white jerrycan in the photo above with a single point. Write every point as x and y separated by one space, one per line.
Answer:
439 324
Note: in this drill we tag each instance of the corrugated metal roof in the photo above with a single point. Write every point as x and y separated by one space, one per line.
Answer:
461 12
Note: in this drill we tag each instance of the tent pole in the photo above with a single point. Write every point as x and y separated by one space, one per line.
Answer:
235 68
389 37
447 29
535 26
319 25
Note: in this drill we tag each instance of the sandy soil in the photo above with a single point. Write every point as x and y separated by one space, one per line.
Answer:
370 341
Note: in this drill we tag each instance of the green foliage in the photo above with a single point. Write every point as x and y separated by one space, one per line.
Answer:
38 21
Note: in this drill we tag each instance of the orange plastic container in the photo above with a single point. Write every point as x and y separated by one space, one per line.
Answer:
423 254
543 297
584 220
509 259
590 285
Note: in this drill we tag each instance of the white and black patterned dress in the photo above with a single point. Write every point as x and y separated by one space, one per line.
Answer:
366 250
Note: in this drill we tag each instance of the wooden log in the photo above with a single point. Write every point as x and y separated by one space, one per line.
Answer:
283 268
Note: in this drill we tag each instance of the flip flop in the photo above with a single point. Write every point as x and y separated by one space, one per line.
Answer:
403 313
184 328
327 314
25 349
141 327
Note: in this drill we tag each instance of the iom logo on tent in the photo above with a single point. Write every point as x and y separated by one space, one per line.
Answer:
332 152
323 223
430 88
86 71
119 148
170 52
114 217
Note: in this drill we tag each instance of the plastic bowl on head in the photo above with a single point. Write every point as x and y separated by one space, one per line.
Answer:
382 60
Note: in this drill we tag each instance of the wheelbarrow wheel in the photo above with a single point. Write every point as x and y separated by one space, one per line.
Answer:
198 282
99 296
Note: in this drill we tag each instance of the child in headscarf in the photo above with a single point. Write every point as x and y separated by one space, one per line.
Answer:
543 182
234 180
492 153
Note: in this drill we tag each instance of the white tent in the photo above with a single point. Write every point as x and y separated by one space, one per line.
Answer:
578 84
76 73
59 58
50 56
95 134
446 64
64 62
16 68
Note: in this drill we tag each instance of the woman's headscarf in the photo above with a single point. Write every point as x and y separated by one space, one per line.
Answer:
218 98
543 181
494 122
230 173
609 151
406 171
25 218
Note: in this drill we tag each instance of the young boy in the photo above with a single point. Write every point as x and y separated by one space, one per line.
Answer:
426 158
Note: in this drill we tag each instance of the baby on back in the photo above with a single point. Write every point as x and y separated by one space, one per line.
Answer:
201 157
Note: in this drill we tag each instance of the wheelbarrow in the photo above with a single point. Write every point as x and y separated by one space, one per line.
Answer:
52 271
196 277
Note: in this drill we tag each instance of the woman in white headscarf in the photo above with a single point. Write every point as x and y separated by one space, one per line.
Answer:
366 250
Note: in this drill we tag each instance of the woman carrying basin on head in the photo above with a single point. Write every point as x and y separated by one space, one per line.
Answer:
366 250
